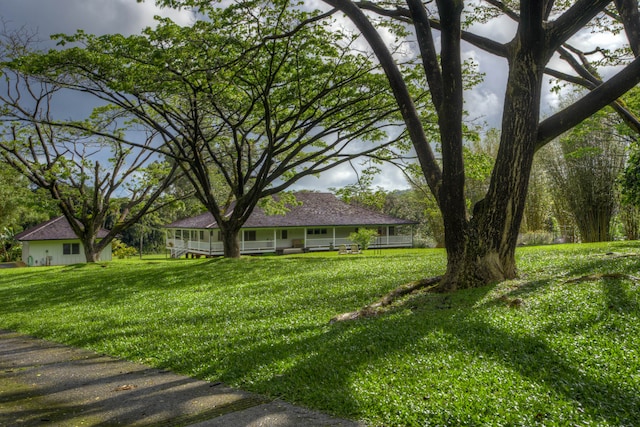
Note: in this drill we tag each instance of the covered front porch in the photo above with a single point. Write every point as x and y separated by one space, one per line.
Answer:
207 242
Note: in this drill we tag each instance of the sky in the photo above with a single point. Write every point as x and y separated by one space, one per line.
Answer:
48 17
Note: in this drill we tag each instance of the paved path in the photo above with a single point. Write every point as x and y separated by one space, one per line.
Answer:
42 383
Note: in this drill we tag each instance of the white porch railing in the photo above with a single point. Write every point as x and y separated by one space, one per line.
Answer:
179 247
257 246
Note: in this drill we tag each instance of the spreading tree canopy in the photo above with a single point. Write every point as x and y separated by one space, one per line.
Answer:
246 101
481 240
87 167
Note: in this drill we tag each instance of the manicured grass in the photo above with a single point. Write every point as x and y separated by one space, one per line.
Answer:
540 350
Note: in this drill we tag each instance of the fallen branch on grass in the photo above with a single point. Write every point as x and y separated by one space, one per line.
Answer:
619 255
593 277
373 309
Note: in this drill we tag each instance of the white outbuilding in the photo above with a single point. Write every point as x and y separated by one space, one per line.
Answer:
54 243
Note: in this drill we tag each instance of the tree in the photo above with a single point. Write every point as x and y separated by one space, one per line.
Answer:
537 214
257 96
584 166
361 192
22 205
630 180
363 237
481 244
87 172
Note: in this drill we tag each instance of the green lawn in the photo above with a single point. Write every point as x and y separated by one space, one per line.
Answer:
541 350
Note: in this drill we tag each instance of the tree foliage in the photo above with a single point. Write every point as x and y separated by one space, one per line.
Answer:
249 99
584 166
23 205
630 181
363 237
87 167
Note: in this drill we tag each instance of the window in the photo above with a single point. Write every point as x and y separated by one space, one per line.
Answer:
284 234
382 231
250 236
71 248
202 235
178 234
312 231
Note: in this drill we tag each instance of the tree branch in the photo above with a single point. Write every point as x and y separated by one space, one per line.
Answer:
400 91
603 95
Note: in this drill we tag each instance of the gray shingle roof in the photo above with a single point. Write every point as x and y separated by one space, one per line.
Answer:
316 210
54 229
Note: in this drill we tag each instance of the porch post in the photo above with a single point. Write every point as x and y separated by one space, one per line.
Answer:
412 234
305 237
334 237
388 235
275 238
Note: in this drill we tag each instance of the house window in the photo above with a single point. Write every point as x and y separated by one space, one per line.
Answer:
316 231
202 235
71 248
382 231
284 234
250 235
178 235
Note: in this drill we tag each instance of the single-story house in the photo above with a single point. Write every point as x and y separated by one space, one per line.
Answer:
320 221
54 243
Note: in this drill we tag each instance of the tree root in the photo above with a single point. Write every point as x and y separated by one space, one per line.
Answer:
593 277
619 255
374 308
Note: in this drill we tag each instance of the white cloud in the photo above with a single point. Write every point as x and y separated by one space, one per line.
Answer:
484 105
390 178
484 102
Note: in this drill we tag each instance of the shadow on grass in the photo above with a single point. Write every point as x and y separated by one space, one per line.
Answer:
318 365
113 283
319 369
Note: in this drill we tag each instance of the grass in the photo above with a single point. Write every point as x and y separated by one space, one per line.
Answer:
540 350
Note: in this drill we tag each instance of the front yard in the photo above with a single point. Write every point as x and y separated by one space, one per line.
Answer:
559 346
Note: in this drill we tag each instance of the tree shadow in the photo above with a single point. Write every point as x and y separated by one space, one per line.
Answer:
330 360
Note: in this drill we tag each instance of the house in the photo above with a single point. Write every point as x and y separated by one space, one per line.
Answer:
54 243
320 221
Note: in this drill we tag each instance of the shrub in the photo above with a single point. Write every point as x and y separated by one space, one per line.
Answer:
363 237
120 250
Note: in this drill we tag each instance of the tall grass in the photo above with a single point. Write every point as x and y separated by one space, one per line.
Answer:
541 350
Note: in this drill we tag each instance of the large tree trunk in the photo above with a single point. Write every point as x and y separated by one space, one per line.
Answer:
230 234
488 253
91 254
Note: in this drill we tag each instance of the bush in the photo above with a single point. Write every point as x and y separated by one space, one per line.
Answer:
10 248
13 253
363 237
120 250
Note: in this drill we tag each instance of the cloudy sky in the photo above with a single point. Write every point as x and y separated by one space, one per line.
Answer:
127 16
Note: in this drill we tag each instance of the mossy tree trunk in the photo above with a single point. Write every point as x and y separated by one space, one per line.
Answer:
488 254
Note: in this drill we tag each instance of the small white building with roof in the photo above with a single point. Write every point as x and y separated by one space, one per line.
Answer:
54 243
